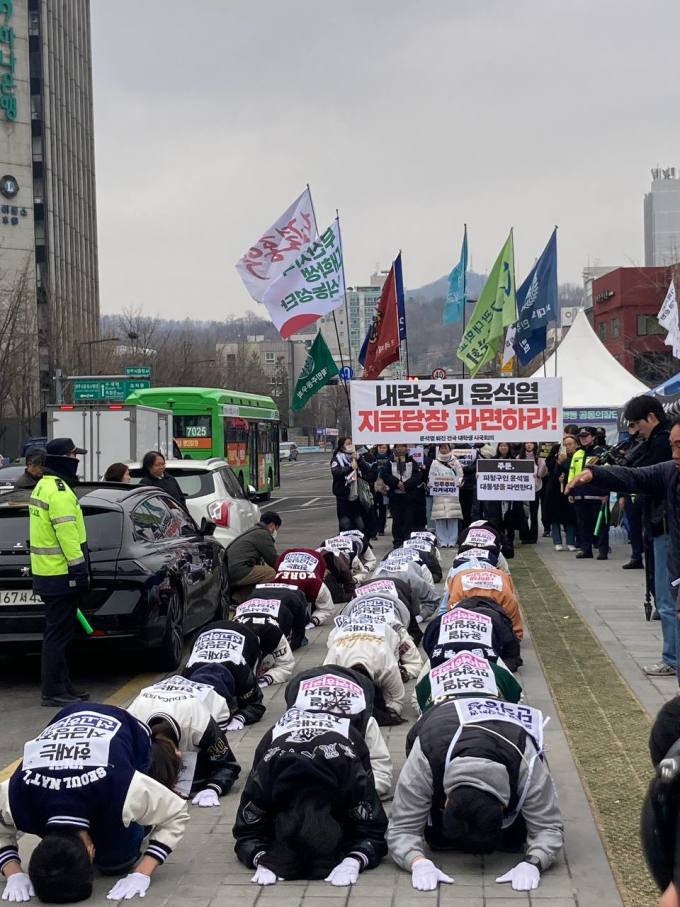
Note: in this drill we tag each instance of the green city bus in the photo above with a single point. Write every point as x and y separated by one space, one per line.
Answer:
208 422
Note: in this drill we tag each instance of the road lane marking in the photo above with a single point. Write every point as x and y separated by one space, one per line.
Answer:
311 501
278 500
121 697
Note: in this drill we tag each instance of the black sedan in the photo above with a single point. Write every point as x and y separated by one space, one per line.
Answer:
156 576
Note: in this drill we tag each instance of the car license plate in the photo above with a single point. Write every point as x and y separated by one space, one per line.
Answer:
22 597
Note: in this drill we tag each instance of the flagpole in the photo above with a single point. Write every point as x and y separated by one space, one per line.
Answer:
464 294
344 284
337 332
408 369
558 324
514 277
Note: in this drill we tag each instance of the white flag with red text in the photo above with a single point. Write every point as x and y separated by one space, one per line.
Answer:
267 259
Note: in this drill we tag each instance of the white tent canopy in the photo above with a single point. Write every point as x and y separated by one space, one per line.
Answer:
590 374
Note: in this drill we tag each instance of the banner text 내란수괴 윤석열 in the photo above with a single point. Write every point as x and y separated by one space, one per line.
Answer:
506 480
450 411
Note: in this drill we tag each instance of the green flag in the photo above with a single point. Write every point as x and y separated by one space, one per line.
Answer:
496 310
317 371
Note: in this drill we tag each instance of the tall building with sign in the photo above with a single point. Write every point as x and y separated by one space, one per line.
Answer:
662 218
361 305
48 225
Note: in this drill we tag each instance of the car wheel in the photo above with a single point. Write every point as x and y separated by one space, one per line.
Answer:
169 653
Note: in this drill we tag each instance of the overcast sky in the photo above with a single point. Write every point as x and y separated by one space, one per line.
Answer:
410 117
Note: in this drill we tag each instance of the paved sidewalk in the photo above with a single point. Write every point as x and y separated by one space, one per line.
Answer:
204 872
610 600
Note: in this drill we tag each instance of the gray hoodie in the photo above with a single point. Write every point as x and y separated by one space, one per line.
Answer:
413 799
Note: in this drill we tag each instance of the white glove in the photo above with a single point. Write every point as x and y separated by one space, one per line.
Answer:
132 885
207 797
265 680
524 877
310 625
236 724
264 876
425 876
345 873
419 618
18 888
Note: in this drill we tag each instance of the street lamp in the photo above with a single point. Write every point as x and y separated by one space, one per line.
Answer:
90 343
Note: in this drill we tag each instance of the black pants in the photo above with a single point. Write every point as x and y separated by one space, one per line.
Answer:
401 506
380 508
587 513
531 527
350 515
60 627
633 508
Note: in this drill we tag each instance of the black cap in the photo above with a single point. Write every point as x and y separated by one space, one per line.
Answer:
62 447
587 430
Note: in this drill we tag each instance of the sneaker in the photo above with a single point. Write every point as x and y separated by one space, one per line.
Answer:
572 548
559 547
582 554
661 669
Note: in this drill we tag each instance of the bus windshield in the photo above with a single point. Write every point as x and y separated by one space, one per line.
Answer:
193 432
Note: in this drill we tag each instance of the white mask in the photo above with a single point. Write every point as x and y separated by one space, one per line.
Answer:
274 534
349 449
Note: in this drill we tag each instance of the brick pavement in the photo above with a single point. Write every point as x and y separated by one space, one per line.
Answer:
203 872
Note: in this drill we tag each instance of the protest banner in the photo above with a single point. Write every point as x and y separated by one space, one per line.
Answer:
506 480
439 485
443 412
473 711
464 673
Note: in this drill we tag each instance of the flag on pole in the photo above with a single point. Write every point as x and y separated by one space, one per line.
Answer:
668 318
312 285
538 304
507 364
496 309
455 298
381 346
266 260
316 373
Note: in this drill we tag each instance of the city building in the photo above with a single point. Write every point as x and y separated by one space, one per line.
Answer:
48 225
589 275
626 302
280 360
662 218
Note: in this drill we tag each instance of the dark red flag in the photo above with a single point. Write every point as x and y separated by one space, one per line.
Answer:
383 342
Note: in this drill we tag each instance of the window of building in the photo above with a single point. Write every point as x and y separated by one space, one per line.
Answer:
270 357
602 330
615 327
648 325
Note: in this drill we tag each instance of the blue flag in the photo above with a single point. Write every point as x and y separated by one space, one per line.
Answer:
455 299
399 277
537 304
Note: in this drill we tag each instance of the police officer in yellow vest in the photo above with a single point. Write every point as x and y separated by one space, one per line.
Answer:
589 500
58 564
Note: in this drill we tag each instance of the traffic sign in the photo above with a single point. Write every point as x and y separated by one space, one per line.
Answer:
138 371
108 390
439 374
139 384
84 391
346 373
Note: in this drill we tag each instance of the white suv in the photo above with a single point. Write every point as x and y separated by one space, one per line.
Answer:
212 492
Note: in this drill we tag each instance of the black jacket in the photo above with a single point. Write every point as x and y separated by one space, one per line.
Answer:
284 767
660 481
253 547
340 472
166 483
408 472
656 449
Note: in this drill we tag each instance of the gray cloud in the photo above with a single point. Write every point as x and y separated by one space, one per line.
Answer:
410 117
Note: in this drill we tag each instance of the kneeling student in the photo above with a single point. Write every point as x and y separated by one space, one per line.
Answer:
84 787
305 568
474 785
309 808
294 600
192 716
390 610
227 653
371 648
349 694
269 620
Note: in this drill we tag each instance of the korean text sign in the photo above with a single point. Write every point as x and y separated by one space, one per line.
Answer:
506 480
471 411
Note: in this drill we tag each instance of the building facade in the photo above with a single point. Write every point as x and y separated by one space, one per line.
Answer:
48 224
662 218
626 302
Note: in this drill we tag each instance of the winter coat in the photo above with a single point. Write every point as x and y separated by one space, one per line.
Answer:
446 506
408 472
491 583
306 750
253 547
166 483
660 481
376 648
